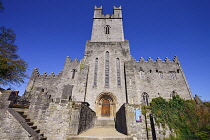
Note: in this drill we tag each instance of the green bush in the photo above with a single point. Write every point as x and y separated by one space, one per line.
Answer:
188 120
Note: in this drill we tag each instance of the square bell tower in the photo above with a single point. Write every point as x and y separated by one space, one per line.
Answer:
107 28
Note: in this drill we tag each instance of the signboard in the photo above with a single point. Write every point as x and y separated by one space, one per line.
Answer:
138 116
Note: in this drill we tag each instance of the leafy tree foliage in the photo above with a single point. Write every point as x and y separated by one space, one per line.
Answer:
1 7
189 120
12 67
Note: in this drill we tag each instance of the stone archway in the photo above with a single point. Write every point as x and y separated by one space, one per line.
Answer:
106 105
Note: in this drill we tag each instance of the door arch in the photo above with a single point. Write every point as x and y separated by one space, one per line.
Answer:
105 105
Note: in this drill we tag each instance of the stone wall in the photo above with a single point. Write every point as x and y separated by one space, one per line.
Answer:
60 117
87 118
155 78
12 125
120 121
139 130
74 74
11 129
163 132
148 129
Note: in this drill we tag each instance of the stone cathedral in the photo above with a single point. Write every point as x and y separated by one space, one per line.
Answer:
102 93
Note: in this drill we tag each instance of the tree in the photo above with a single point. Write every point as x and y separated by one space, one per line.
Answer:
1 7
12 67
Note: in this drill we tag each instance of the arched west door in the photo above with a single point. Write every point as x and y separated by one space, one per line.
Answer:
105 111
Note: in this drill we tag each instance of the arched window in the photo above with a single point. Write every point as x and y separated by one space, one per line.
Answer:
107 69
118 72
107 29
145 99
95 72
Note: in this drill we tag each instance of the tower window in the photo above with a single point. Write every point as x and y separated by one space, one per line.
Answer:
107 29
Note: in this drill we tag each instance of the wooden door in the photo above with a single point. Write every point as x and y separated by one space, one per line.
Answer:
105 112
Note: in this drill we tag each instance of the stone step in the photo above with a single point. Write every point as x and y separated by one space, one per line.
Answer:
19 114
105 122
33 127
21 110
30 123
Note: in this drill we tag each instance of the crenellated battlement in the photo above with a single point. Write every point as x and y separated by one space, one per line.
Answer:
68 60
167 60
36 74
117 13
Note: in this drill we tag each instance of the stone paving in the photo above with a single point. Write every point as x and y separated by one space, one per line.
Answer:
102 132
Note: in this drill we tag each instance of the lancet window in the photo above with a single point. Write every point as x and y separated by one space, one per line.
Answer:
107 29
95 72
118 72
145 98
107 69
73 73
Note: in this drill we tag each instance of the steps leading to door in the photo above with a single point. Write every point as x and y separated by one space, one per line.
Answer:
104 130
105 122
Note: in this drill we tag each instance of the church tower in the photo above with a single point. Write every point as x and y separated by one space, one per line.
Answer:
105 54
107 28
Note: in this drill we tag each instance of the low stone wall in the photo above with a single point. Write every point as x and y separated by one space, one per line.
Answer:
120 121
82 118
10 126
135 129
147 129
87 118
55 122
126 123
61 118
11 129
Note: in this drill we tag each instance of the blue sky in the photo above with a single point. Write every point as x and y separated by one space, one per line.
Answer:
49 30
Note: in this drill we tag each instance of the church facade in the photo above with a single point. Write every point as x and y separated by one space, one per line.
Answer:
108 80
109 74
